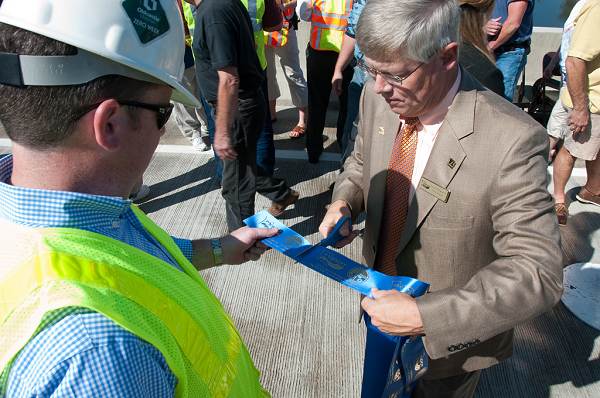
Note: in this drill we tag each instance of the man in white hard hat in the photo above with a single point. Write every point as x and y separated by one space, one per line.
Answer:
95 299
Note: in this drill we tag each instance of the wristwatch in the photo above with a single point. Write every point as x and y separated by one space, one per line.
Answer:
217 251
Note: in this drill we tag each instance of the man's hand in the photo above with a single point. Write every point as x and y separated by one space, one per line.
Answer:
337 210
223 147
285 4
336 82
394 313
244 244
579 120
493 26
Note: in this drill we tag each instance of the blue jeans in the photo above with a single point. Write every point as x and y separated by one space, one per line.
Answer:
354 91
210 118
265 147
511 64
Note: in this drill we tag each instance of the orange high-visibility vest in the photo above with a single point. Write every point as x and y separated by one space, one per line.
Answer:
328 23
279 38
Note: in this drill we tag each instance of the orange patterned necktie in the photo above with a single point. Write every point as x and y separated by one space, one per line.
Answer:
397 189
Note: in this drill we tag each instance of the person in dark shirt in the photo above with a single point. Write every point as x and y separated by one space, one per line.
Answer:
223 39
475 56
510 38
231 76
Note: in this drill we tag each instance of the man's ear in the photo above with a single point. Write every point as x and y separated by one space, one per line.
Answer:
450 55
109 125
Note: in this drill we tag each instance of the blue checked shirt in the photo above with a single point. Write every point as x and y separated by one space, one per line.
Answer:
357 8
78 352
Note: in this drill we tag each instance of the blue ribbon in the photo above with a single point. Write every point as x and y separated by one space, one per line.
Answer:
410 360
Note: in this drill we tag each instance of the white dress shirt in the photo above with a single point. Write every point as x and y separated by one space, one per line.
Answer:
430 124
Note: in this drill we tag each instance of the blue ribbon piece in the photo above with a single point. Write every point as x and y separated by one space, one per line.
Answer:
409 360
329 262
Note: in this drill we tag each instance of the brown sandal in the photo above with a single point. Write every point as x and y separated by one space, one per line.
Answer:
297 132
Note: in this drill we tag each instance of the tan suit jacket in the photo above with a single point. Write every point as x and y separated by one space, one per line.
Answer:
491 251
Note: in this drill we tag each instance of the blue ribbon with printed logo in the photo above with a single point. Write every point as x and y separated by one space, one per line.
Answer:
410 353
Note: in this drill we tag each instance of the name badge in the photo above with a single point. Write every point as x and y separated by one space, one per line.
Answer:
434 189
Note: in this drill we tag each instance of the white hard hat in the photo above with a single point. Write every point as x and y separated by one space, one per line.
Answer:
141 39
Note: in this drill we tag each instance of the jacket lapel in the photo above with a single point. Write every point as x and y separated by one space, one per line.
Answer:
383 143
446 152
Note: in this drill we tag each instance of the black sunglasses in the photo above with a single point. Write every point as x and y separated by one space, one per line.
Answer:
163 112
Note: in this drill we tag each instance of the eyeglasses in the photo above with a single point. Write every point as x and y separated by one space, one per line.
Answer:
163 112
394 80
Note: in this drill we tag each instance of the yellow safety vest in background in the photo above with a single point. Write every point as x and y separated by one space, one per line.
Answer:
256 9
188 15
279 38
329 19
46 269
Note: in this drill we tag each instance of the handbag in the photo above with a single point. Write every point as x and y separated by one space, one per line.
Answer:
540 106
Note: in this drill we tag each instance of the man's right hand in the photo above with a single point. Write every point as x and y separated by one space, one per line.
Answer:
223 147
337 210
493 26
336 82
579 120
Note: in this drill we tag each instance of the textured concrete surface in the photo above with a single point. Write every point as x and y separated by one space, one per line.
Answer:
302 328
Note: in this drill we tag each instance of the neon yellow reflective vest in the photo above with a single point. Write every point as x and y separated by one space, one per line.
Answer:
188 15
279 38
329 19
256 9
45 269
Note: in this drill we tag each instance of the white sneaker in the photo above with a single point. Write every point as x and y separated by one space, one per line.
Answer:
141 194
199 144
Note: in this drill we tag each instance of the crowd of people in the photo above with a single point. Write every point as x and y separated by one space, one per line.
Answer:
97 300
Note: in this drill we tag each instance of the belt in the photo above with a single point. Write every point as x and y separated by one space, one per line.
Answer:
514 46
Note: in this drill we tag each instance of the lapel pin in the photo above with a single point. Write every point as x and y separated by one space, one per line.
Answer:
381 131
451 163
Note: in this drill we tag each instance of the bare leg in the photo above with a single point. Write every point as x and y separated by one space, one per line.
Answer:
593 176
562 168
552 153
302 117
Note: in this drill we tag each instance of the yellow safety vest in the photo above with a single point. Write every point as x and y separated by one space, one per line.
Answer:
256 9
188 15
45 269
279 38
329 19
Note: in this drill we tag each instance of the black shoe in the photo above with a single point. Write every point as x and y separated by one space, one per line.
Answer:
313 158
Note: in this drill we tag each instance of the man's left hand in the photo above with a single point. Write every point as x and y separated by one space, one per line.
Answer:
394 313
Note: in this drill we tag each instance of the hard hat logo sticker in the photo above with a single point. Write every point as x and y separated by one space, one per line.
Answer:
151 5
148 18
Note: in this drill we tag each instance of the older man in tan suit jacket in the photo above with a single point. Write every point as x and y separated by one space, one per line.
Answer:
479 223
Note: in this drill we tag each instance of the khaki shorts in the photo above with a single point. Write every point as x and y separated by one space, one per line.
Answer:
558 123
584 145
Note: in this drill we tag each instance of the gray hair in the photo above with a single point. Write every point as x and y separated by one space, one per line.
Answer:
416 29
